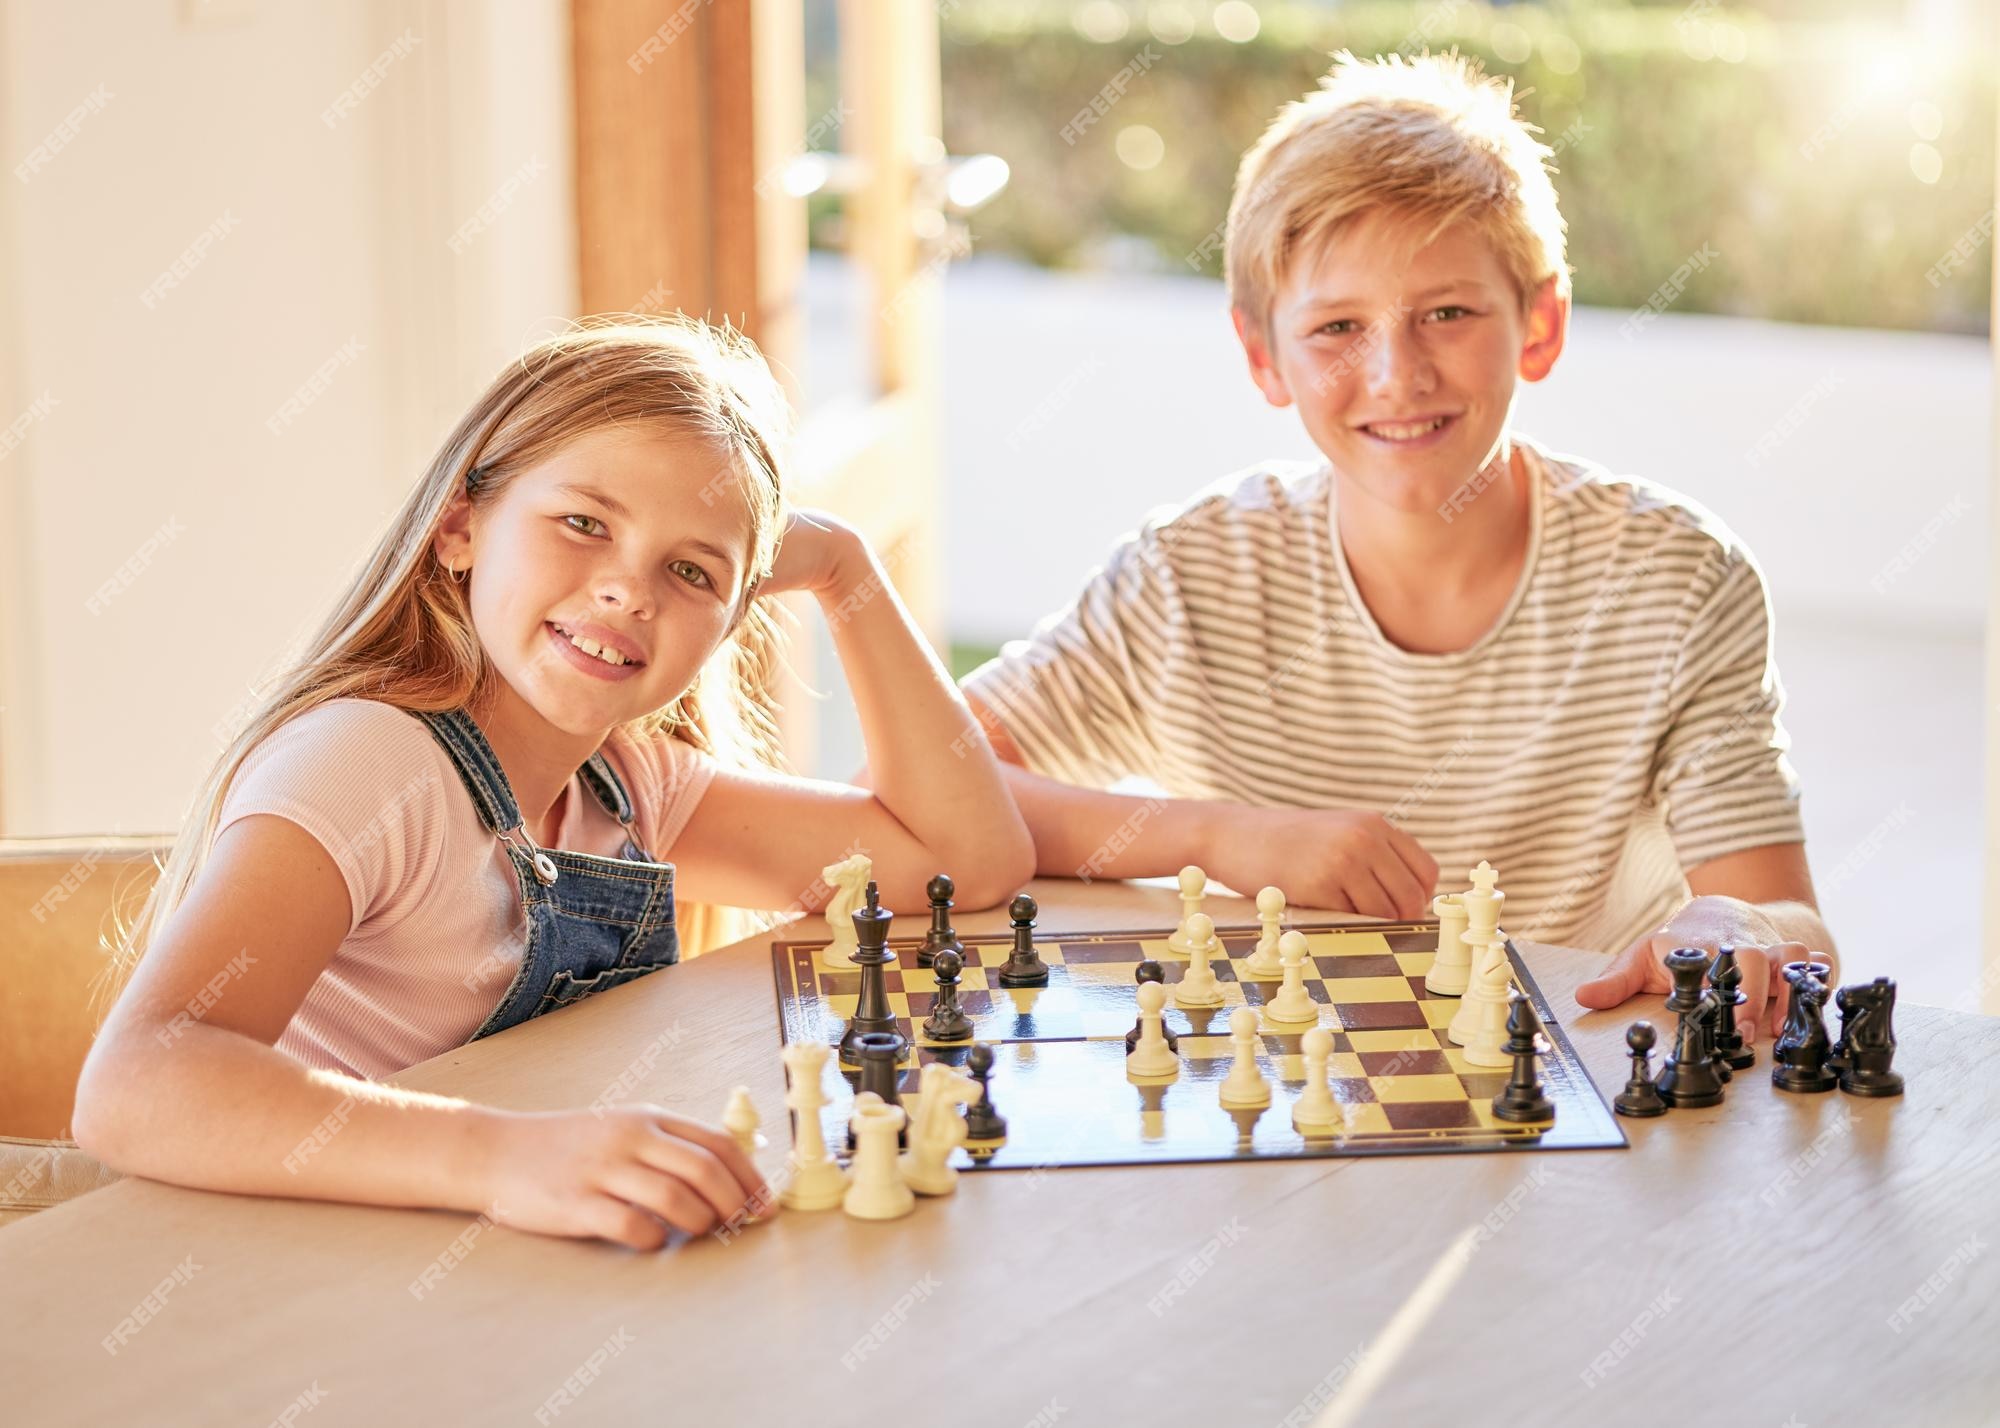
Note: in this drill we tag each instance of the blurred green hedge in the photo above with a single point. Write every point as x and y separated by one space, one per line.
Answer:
1788 145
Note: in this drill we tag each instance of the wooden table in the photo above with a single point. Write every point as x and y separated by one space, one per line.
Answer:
1815 1260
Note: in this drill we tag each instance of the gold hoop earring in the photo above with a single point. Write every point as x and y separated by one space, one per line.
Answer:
458 577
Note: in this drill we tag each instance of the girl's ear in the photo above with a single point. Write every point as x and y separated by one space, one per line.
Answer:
453 542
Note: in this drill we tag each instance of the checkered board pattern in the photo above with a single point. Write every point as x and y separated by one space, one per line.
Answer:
1059 1052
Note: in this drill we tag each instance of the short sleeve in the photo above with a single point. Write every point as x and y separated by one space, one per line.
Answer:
367 781
1723 780
666 778
1073 695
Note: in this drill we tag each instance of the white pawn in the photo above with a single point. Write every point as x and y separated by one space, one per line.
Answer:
1316 1110
939 1129
1194 884
741 1120
1152 1056
1452 967
1293 1006
1263 964
878 1191
817 1182
1245 1084
1199 988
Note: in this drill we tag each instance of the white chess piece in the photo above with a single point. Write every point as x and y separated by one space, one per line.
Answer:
1194 884
1200 988
1316 1110
878 1191
849 878
741 1120
1263 964
939 1129
1293 1006
817 1182
1152 1056
1481 1023
1482 901
1452 967
1245 1085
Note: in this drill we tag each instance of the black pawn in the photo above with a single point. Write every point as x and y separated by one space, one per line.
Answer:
1024 968
872 1014
879 1052
1149 971
947 1021
1727 979
941 937
1868 1033
1522 1099
1640 1096
1689 1079
982 1122
1802 1049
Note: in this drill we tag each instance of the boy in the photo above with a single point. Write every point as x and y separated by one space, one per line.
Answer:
1447 643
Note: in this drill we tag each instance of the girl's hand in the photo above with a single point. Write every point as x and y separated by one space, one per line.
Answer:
817 554
625 1175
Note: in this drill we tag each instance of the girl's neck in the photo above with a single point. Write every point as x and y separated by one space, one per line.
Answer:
538 759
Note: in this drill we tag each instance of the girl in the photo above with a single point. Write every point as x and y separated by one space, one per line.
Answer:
452 812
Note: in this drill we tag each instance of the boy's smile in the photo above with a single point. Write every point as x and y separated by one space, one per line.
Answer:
1403 364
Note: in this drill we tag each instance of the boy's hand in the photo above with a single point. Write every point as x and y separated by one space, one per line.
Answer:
625 1176
1336 859
1707 923
819 553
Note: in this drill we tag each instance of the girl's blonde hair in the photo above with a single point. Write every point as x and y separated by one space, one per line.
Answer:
403 633
1429 140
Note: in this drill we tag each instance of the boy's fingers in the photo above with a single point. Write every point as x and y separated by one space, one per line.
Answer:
1406 898
1756 967
1423 867
1623 980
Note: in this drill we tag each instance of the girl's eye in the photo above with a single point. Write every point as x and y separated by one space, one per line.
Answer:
592 519
692 573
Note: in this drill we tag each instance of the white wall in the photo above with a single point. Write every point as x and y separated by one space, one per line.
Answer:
337 234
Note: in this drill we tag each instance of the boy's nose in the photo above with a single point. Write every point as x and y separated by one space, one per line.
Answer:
1398 367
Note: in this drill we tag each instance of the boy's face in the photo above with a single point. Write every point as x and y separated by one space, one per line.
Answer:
665 575
1403 363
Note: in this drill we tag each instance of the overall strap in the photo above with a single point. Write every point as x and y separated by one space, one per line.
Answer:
477 765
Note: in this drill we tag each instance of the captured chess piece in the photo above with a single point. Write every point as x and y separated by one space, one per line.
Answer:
1149 971
1689 1079
872 1015
1727 979
1868 1039
1024 966
741 1120
817 1182
877 1191
1640 1097
1522 1100
941 937
982 1121
947 1021
939 1129
1802 1048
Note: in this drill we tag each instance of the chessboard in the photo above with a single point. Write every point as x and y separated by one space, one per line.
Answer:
1059 1052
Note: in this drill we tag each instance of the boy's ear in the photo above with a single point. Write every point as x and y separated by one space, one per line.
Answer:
1263 371
1548 325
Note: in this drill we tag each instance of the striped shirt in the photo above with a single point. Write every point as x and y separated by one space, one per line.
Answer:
1618 725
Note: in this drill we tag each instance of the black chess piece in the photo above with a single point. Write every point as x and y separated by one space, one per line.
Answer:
1024 966
1522 1099
872 1014
878 1052
947 1021
1868 1034
1150 971
1801 1051
982 1122
941 937
1640 1097
1727 979
1688 1079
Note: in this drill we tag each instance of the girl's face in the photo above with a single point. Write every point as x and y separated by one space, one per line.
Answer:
635 541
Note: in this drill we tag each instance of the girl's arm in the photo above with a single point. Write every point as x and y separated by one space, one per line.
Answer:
184 1083
939 802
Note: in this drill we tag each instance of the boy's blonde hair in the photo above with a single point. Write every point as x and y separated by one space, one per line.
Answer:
1428 140
403 632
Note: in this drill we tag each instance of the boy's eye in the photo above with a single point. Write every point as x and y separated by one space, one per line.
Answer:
692 573
592 519
1339 327
1453 309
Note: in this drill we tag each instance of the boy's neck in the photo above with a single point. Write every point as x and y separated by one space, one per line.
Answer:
1435 586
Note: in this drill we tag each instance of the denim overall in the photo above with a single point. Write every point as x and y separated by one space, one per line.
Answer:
593 922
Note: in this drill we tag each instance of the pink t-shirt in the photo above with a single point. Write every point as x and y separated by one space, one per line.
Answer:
437 931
